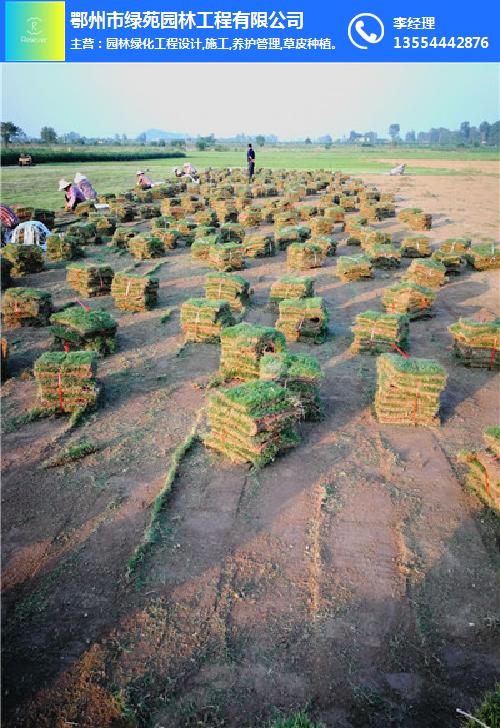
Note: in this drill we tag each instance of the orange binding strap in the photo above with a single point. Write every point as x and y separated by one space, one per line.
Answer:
403 353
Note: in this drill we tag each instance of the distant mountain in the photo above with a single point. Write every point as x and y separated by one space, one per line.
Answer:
153 135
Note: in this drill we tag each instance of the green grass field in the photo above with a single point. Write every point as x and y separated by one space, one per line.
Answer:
38 185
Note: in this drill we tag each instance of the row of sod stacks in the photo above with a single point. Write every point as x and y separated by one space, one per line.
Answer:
416 246
143 247
63 247
484 468
4 348
384 256
302 318
6 273
408 390
304 255
375 333
26 307
202 319
253 422
226 258
416 219
409 298
475 342
285 236
484 257
135 292
354 268
455 245
298 373
290 287
66 382
228 287
242 347
453 262
76 329
429 273
90 279
260 246
24 258
122 237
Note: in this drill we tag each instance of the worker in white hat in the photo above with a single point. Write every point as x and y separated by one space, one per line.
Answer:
72 194
143 181
85 187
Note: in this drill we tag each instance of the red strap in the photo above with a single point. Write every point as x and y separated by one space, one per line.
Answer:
487 482
66 346
415 406
493 352
87 308
403 353
59 389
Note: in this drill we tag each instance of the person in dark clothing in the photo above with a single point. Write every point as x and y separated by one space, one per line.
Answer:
251 161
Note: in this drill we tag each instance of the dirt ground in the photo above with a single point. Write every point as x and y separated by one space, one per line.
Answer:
355 577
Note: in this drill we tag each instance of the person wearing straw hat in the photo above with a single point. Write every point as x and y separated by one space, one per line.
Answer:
143 181
85 187
72 194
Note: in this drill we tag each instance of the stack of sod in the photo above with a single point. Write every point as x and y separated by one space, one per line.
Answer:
203 319
300 374
455 245
121 237
353 226
321 226
416 246
368 237
287 235
63 247
453 262
408 390
334 213
104 229
169 238
242 347
226 257
355 230
428 273
76 329
290 287
205 217
375 332
475 342
384 256
232 288
146 246
5 358
123 211
328 245
304 255
133 292
253 422
225 210
416 218
302 318
251 217
90 279
66 381
483 257
200 249
148 212
354 268
204 231
24 258
484 468
84 232
287 218
409 298
186 226
260 246
26 307
232 232
305 212
371 212
192 203
171 206
6 276
347 202
83 209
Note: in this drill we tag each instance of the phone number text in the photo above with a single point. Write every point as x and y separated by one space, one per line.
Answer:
459 41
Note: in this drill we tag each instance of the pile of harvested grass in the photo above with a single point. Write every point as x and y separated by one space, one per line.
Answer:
24 258
260 246
375 333
409 298
121 237
76 329
328 245
200 249
453 262
232 232
90 279
202 320
430 273
484 257
484 468
295 234
300 374
302 318
290 287
415 218
455 245
228 287
63 247
251 217
475 342
301 256
242 347
226 258
384 256
66 381
354 268
133 292
416 246
145 246
26 307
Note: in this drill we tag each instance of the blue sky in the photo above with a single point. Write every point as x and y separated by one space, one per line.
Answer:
289 100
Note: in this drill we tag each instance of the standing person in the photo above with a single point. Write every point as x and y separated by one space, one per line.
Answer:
72 194
143 181
85 187
250 161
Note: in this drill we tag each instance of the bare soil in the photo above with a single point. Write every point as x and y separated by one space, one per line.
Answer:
356 576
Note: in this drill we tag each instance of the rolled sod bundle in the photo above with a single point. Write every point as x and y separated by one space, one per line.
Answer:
409 298
491 438
290 287
260 246
328 245
145 246
83 232
415 218
76 329
6 273
66 382
453 262
484 475
416 246
455 245
26 307
243 346
305 212
90 279
205 217
133 292
232 232
300 374
63 247
24 258
302 318
483 257
200 249
384 256
4 349
253 422
408 390
251 217
375 333
304 255
226 257
122 237
229 287
354 268
123 211
475 342
294 234
202 319
429 273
